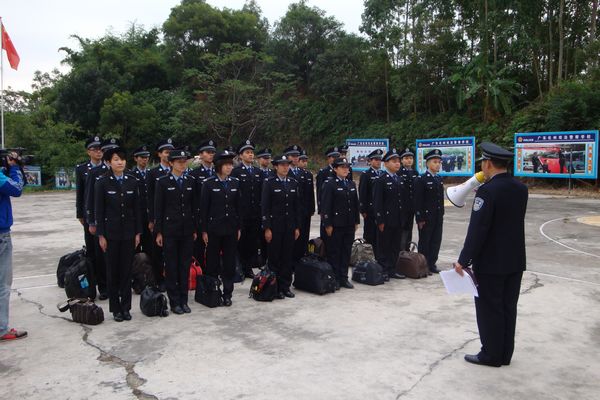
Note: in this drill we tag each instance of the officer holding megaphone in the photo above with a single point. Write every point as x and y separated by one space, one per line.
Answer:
495 247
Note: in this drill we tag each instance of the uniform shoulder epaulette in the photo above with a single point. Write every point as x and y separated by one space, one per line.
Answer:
233 178
210 178
163 177
189 176
103 176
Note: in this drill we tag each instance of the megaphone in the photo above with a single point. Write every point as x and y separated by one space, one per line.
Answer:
458 194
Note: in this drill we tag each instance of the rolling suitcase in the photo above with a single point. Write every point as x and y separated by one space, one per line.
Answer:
314 275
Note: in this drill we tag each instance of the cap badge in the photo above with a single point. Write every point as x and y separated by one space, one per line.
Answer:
247 142
169 140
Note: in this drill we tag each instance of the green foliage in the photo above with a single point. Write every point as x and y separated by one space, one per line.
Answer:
425 68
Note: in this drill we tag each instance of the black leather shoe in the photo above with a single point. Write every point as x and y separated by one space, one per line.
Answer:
289 293
280 296
475 359
103 296
118 316
435 270
337 285
186 309
126 316
177 310
227 302
396 275
386 277
346 284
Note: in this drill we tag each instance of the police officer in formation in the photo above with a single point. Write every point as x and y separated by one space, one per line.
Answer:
82 171
264 162
292 153
408 174
307 205
118 227
219 222
344 154
323 175
388 203
175 227
365 190
340 219
429 208
281 219
495 247
205 170
141 156
94 174
250 180
163 149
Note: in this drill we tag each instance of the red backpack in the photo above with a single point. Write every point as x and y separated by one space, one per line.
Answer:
195 272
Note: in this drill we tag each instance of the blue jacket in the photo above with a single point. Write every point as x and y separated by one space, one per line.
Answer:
12 186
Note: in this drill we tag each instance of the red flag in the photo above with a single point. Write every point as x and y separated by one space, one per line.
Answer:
11 52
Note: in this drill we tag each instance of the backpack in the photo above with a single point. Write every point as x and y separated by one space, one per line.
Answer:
316 246
153 303
361 251
195 272
65 262
314 275
83 311
141 272
77 284
208 291
264 286
369 273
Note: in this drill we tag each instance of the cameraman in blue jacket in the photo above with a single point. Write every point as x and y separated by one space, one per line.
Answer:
11 184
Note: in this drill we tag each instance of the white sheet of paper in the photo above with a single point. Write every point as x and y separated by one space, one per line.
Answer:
456 284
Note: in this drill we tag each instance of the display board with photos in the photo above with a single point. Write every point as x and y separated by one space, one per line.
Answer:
359 149
33 175
458 155
64 179
557 154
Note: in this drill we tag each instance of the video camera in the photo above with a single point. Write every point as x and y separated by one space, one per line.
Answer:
16 155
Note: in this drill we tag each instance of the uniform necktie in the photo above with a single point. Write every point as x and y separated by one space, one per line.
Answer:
180 182
345 182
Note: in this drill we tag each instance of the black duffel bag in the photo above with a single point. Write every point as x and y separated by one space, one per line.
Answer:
369 273
77 282
314 275
153 303
83 311
264 286
208 291
65 262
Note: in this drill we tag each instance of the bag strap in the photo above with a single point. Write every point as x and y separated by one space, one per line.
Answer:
413 246
359 240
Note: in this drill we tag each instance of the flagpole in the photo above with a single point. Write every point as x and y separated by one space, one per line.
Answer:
2 80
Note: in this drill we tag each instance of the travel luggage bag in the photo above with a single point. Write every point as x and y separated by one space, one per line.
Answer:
314 275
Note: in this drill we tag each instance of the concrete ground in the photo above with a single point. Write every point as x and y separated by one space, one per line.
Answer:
403 340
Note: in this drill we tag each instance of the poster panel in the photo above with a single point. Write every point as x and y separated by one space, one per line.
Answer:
557 154
359 149
458 155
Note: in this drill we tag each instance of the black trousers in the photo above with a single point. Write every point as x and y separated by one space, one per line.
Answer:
200 251
407 234
370 231
301 245
158 263
339 249
119 258
496 309
220 258
389 246
99 266
90 249
249 242
430 240
145 245
178 257
281 256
